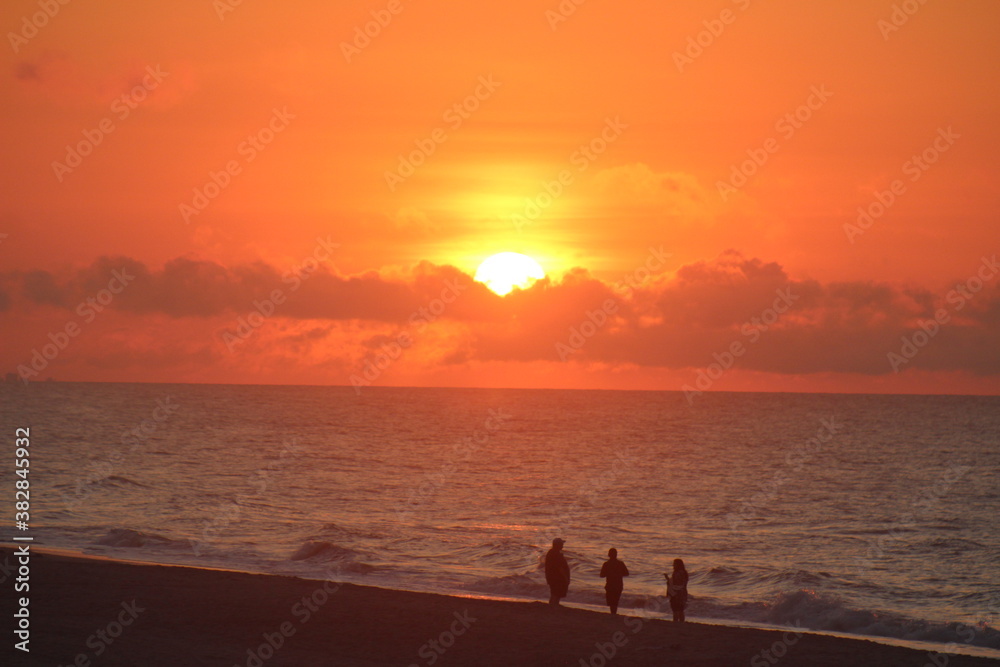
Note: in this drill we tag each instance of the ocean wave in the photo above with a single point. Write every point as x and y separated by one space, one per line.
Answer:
501 555
126 537
508 549
120 480
321 550
108 481
948 527
800 577
881 529
807 609
722 576
331 528
954 543
341 558
729 576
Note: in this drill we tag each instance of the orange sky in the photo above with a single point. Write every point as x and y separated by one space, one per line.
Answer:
309 124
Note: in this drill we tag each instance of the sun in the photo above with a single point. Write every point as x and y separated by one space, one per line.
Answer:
506 270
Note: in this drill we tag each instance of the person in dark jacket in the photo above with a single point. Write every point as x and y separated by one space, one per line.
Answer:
677 589
614 571
556 572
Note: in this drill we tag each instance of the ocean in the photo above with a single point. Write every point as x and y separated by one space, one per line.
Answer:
860 514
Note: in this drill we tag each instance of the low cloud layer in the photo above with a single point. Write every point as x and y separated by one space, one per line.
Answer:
689 319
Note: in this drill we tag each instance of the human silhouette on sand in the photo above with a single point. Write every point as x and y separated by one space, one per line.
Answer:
677 589
556 572
614 571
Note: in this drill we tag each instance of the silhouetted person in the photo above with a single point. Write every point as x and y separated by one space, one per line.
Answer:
614 571
556 572
677 589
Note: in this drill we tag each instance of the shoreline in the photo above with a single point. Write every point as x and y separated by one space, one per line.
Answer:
70 553
172 613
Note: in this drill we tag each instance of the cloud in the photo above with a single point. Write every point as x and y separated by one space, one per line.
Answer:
680 321
187 287
40 287
706 307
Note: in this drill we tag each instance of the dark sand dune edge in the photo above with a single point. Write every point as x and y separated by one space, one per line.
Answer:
111 613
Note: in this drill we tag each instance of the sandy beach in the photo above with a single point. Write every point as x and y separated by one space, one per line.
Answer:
98 612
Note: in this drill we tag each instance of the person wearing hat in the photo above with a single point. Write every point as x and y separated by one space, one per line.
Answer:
556 572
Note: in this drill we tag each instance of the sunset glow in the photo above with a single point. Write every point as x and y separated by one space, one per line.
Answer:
327 171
